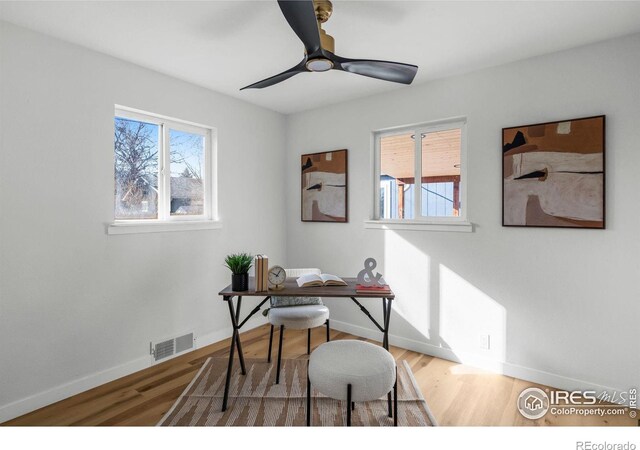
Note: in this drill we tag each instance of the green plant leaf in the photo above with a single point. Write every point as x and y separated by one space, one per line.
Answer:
239 263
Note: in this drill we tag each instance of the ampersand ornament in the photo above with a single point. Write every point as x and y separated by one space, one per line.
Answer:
366 277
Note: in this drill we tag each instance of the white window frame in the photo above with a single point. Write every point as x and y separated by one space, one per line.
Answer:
420 222
165 221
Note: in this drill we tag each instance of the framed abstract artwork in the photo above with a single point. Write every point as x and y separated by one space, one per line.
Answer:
324 187
553 174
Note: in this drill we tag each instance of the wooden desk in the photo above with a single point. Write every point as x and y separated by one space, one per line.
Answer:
291 289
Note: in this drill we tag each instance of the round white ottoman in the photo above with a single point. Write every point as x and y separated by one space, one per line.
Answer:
354 371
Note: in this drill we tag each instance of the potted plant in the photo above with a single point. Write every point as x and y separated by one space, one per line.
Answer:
239 265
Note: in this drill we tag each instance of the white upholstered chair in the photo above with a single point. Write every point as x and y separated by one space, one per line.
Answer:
299 314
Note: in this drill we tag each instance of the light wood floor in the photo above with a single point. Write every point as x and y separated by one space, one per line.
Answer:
457 394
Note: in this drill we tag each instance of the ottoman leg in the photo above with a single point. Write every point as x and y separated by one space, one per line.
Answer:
308 341
395 400
279 354
308 397
328 335
389 404
348 405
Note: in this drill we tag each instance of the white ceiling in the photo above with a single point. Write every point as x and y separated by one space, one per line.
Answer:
225 45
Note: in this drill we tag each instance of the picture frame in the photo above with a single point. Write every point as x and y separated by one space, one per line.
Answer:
324 187
553 174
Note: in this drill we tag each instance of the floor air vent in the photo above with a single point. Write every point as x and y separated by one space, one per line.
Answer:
170 347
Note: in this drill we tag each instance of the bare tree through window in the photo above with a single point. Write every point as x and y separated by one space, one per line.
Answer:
136 169
187 164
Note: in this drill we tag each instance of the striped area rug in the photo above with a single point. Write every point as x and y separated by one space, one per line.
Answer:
254 399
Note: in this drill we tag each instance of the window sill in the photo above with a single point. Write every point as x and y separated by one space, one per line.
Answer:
418 225
162 226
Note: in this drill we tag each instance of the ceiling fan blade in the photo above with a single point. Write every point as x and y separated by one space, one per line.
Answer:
302 18
383 70
280 77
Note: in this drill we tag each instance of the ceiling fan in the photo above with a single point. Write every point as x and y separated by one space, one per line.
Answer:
306 18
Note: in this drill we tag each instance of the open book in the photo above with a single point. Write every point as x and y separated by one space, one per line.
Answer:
324 279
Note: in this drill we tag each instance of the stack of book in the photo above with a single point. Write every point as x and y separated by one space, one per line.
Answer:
361 289
261 266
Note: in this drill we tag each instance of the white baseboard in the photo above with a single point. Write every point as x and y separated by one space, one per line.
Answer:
26 405
37 401
500 367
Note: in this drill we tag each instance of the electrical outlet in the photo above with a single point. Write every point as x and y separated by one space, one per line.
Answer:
485 341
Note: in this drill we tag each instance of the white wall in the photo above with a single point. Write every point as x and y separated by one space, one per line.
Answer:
74 301
562 306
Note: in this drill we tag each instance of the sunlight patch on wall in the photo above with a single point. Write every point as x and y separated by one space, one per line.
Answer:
471 322
408 271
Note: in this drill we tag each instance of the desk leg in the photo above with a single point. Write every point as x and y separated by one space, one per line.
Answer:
384 322
232 348
387 319
235 340
386 307
238 343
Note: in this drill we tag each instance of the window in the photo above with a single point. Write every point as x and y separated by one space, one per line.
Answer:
163 170
420 175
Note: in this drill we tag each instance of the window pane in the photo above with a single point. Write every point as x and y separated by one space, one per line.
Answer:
187 171
441 173
397 173
136 169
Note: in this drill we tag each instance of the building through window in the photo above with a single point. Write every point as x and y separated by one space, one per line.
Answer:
419 172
